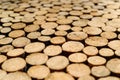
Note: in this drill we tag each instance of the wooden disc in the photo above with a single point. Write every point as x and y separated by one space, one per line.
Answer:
57 62
49 25
76 29
78 70
44 38
98 71
95 23
114 44
16 75
27 19
86 77
2 58
60 33
33 35
108 35
31 28
63 27
59 76
53 50
114 65
117 52
47 32
6 48
96 60
34 47
16 33
96 41
72 46
106 52
57 40
6 19
64 21
77 36
90 50
51 19
73 17
20 42
18 25
92 30
109 16
5 30
75 13
42 12
80 23
108 28
38 72
86 16
77 57
13 64
101 19
2 36
5 40
2 74
109 78
36 59
15 52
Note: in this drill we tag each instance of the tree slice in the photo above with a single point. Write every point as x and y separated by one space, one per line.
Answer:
5 40
2 58
59 76
78 70
100 71
2 74
44 38
72 46
47 32
31 28
49 25
18 25
36 59
15 52
34 35
77 57
115 44
106 52
5 30
63 27
53 50
38 72
16 33
34 47
96 60
108 35
57 40
57 62
77 36
16 75
92 30
60 33
90 50
86 77
6 48
13 64
80 23
114 65
96 41
64 21
20 42
109 78
117 52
